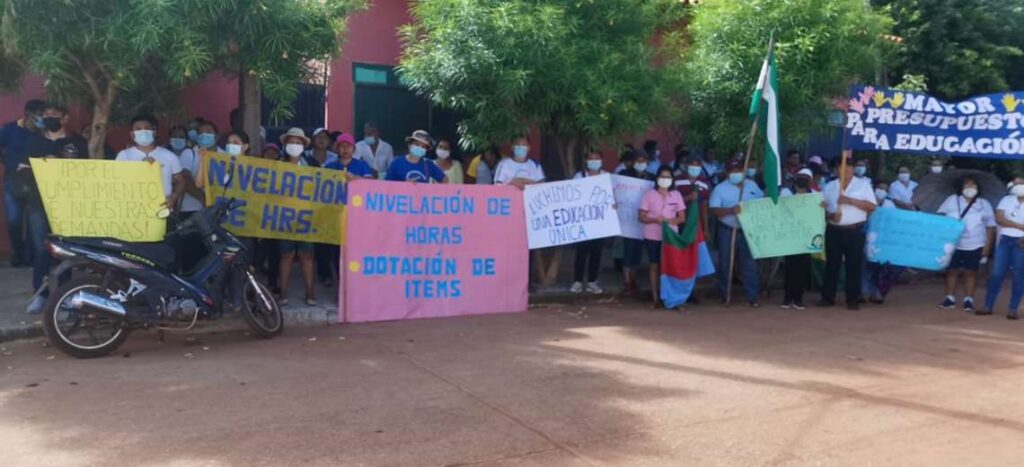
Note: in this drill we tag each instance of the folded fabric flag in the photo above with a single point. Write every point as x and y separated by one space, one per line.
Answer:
684 259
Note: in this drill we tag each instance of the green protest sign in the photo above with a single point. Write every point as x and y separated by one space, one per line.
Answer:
794 226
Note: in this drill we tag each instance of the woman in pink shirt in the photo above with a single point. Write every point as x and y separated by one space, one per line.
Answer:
662 204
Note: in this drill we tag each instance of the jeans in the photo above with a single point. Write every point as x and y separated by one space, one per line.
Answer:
798 275
588 259
843 244
745 262
1009 254
15 212
38 229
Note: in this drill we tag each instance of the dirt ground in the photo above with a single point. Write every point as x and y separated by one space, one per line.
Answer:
605 384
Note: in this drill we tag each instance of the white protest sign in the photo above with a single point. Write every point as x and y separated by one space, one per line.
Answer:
629 191
560 213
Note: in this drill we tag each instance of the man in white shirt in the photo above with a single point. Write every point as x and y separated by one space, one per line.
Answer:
901 191
206 141
848 202
145 149
519 170
374 151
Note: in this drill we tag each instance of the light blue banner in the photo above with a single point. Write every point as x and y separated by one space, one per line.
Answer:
912 239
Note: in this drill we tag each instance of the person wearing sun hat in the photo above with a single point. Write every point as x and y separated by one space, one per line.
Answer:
294 141
319 154
414 166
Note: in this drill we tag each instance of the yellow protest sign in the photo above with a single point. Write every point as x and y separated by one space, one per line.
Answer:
94 198
279 200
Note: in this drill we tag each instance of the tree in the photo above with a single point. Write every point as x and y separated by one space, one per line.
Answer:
962 47
821 48
93 52
581 71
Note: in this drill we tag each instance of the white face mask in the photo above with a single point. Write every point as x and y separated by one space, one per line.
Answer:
664 182
640 166
970 192
294 150
1018 191
936 169
443 154
904 177
234 149
880 194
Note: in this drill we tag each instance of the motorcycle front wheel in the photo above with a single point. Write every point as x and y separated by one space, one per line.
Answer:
81 332
261 310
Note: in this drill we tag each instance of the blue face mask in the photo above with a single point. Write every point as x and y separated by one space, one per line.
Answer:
143 137
206 140
417 151
594 166
693 171
192 135
234 149
751 172
520 152
736 178
178 144
370 140
860 170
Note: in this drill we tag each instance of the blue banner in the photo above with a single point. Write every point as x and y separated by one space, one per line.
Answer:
989 126
911 238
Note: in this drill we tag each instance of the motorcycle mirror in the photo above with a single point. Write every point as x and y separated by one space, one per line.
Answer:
226 180
163 213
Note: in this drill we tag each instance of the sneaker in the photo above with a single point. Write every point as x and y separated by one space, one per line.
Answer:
799 305
1011 315
949 303
969 304
36 305
577 287
592 287
786 305
753 304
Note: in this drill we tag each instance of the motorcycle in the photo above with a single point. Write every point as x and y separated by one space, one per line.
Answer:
103 288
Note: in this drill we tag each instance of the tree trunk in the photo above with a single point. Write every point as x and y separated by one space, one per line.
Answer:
101 109
569 149
250 102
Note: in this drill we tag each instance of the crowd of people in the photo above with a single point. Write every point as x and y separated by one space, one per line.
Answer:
717 188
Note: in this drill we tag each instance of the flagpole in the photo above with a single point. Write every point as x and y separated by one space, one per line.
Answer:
746 162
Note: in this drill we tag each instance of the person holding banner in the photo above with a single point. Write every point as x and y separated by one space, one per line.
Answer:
975 243
345 147
451 168
143 130
1009 252
636 161
588 253
191 163
662 204
797 268
725 205
415 167
320 154
295 142
878 279
694 186
902 190
848 202
520 170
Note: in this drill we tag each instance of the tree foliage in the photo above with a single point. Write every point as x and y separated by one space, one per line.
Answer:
95 52
821 47
962 47
581 70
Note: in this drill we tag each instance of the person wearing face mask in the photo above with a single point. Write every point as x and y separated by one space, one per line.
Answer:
860 169
415 167
848 202
374 151
14 139
936 167
695 187
636 161
661 204
177 140
191 161
902 190
451 167
324 255
143 130
193 130
481 168
975 243
271 151
588 253
1009 253
295 142
797 268
877 279
54 141
520 170
724 206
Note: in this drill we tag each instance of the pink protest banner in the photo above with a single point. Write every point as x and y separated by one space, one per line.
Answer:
426 251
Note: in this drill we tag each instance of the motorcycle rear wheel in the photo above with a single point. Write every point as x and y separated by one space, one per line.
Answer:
63 324
265 321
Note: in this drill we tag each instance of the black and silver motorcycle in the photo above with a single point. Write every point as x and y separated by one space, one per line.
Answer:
103 288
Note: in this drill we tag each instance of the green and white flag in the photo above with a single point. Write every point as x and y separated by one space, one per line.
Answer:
765 106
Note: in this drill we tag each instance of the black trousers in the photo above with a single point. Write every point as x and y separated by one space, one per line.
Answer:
798 275
267 259
588 257
326 257
843 244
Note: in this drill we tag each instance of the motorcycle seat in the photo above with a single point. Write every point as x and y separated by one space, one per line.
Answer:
160 254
